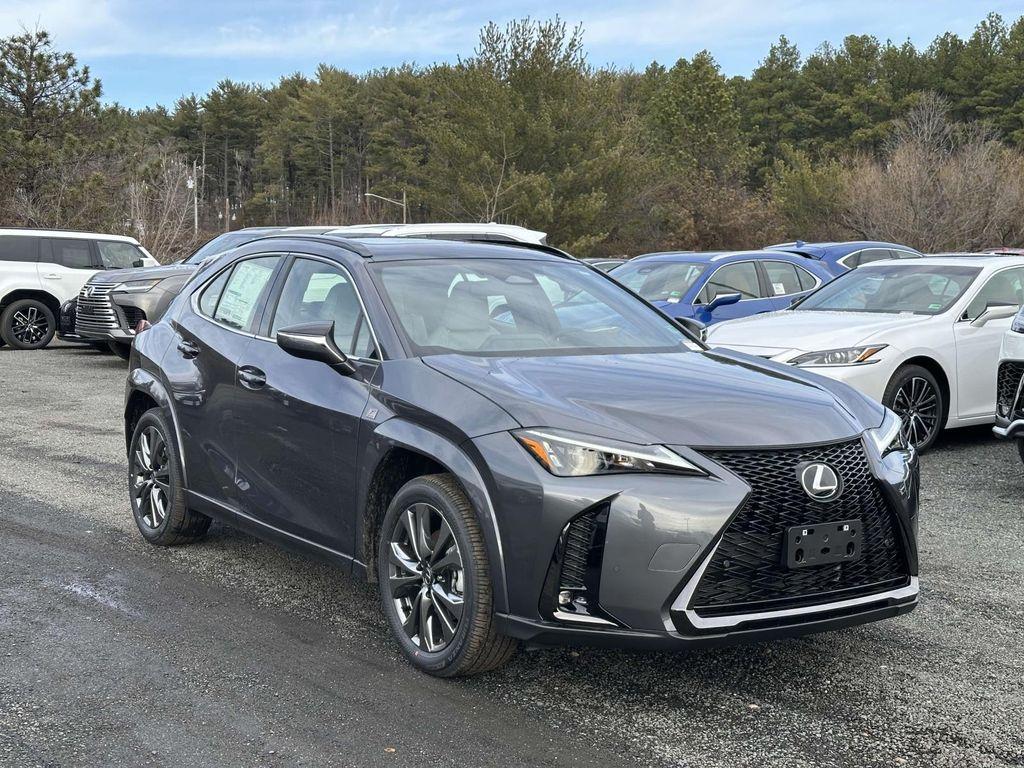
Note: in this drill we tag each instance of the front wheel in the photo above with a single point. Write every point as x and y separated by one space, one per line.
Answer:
434 578
27 324
156 487
916 397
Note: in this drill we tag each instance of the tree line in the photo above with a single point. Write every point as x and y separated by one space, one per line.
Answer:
867 139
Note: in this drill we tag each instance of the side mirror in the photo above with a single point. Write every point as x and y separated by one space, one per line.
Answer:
315 341
722 300
994 312
695 327
138 263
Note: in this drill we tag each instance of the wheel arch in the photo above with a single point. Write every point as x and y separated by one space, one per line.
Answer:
399 451
47 298
934 367
144 391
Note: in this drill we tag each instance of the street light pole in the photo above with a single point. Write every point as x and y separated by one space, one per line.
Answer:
403 203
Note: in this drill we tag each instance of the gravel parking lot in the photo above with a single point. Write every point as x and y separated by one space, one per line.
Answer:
233 652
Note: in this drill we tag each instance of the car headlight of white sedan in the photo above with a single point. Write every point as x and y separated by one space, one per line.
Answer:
845 356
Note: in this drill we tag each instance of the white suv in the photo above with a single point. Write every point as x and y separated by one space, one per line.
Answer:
41 269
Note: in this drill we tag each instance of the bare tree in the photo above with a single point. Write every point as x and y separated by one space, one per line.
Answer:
158 203
940 186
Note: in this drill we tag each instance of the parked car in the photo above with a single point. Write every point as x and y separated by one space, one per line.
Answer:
41 269
1009 403
716 286
356 398
921 337
447 231
110 306
605 264
844 256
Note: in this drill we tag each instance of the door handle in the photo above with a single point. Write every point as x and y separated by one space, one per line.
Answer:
52 276
251 377
189 350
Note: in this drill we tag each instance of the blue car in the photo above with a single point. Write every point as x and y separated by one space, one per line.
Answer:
722 285
842 257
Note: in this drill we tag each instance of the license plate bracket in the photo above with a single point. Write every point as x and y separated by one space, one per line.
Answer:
824 543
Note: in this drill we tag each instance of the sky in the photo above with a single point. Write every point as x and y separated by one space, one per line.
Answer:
148 53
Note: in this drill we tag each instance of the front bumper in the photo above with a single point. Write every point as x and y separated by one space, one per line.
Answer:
660 537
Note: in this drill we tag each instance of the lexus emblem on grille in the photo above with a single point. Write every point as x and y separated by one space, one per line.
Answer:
819 480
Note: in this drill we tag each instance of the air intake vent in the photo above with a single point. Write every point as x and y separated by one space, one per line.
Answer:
572 587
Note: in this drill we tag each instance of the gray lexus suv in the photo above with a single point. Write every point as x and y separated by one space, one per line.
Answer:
515 448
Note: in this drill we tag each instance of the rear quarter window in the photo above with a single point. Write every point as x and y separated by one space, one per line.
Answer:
18 248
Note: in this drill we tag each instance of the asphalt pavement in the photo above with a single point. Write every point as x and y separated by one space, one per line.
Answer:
234 652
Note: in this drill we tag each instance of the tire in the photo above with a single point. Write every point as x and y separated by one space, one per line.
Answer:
915 395
124 351
472 645
27 324
161 473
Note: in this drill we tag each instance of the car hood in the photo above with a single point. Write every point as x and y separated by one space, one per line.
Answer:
143 273
717 398
807 331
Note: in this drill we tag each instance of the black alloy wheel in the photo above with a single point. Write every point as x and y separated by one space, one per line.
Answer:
155 485
151 477
915 396
435 583
27 324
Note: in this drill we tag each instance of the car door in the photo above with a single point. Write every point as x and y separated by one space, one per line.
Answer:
738 277
65 265
977 347
211 332
297 446
19 263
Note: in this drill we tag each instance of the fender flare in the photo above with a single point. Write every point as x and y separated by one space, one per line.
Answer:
399 433
140 380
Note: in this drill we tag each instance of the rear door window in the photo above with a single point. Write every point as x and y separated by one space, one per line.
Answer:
72 253
16 248
783 279
807 280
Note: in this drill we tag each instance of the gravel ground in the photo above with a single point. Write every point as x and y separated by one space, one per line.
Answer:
233 652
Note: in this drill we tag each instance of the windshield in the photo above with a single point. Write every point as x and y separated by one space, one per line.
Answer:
518 306
893 288
659 281
221 243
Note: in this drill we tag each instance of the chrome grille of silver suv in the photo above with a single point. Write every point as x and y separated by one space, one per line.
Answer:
95 309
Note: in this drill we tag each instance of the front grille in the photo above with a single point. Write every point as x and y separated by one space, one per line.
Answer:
96 310
1007 381
747 572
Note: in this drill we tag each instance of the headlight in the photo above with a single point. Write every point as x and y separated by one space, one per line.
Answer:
889 436
846 356
570 455
1018 322
134 286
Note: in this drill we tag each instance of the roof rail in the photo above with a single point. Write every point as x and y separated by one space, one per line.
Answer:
548 249
349 245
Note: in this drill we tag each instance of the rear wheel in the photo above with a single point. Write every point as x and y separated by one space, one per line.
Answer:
915 395
155 485
434 578
27 324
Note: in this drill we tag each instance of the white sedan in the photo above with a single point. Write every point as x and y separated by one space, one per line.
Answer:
920 336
